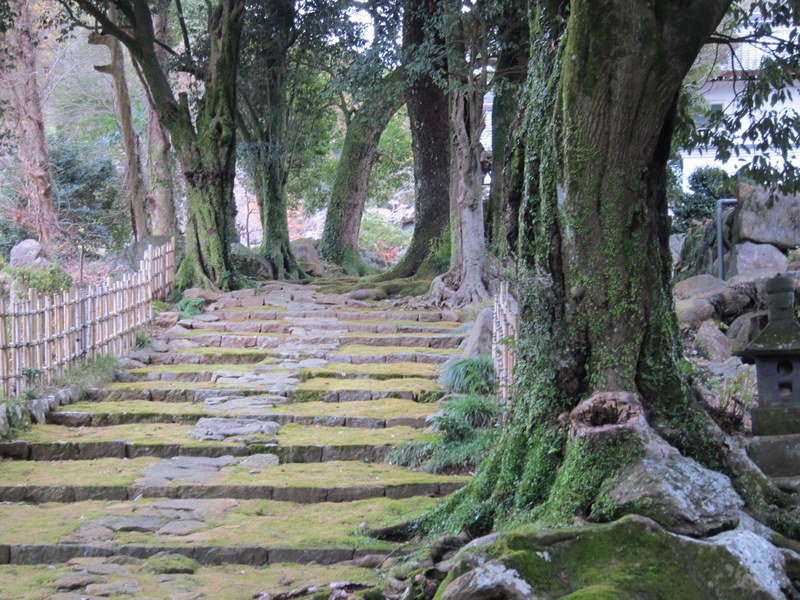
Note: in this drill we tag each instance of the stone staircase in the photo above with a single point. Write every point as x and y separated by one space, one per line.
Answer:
241 454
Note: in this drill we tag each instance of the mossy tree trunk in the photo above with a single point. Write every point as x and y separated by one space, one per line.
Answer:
206 146
351 182
594 267
502 204
263 123
427 105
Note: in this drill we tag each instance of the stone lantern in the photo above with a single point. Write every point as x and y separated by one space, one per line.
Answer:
776 352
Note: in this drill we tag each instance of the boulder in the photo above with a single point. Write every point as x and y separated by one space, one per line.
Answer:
249 263
27 252
679 494
754 257
699 286
711 343
630 558
167 319
766 217
480 336
192 293
694 311
305 251
745 327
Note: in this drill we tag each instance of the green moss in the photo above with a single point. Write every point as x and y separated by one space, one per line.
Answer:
103 471
403 384
361 350
166 563
374 370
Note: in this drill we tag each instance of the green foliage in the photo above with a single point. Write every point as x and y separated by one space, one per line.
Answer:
16 414
392 170
470 376
708 185
89 205
159 306
381 237
189 307
46 279
142 340
92 373
469 428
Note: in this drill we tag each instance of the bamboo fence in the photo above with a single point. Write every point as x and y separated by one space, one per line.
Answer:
42 336
504 337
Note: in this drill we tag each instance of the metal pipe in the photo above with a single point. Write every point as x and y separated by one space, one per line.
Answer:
720 245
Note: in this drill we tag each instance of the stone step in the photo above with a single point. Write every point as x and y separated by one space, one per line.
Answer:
257 477
292 326
776 455
367 414
292 443
266 313
208 530
330 340
276 388
156 577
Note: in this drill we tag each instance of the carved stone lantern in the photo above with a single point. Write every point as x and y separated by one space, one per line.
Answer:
776 351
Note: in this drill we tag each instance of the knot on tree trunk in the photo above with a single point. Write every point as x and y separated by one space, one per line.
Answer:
605 414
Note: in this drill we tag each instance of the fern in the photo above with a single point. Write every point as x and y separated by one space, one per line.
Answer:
470 376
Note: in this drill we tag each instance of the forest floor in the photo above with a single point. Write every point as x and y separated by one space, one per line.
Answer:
239 455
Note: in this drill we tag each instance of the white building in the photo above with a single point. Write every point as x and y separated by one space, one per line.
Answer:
721 91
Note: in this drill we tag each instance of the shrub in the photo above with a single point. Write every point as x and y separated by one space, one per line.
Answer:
470 376
48 279
708 184
189 307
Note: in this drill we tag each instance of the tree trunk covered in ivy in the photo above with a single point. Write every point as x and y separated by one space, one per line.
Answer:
351 182
263 118
134 178
206 146
24 114
160 168
594 263
502 205
427 106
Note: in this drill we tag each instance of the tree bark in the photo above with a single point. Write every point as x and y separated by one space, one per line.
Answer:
24 112
160 169
350 185
205 147
130 141
263 123
427 105
594 268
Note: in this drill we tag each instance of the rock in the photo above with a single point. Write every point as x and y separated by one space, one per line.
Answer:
733 300
180 527
765 563
128 586
27 252
711 343
491 580
678 493
176 330
699 286
167 319
212 428
480 336
753 257
72 581
38 408
250 263
166 563
676 241
694 311
305 251
193 293
745 327
259 461
770 218
630 558
129 363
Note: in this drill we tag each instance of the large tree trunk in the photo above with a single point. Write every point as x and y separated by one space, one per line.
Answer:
206 149
502 204
160 171
427 105
263 119
134 183
594 269
24 113
350 185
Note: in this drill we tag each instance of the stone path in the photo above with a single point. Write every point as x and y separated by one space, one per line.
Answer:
252 434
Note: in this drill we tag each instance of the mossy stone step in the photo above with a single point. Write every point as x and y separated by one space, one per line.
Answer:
293 443
291 326
224 582
389 412
243 339
248 478
202 527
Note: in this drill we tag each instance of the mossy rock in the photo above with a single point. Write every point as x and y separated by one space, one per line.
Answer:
629 559
166 563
